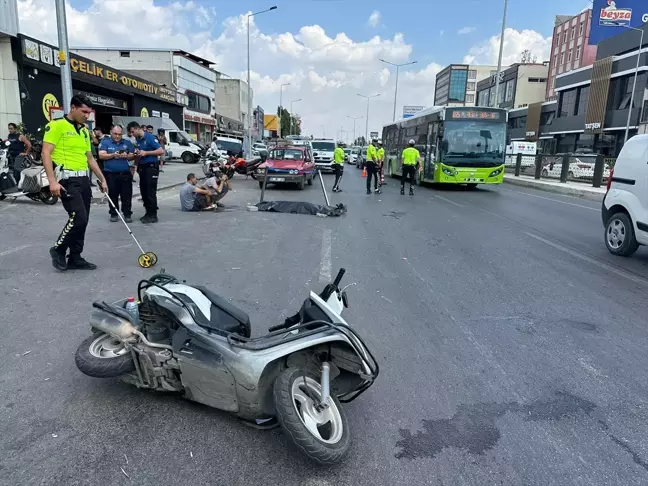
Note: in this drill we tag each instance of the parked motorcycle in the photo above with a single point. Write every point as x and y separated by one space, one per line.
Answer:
189 340
213 162
246 167
33 182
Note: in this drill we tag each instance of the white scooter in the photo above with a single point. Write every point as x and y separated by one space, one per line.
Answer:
33 181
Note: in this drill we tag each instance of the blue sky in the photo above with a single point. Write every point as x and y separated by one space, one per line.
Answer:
326 49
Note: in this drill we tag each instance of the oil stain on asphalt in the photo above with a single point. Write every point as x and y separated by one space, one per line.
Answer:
473 427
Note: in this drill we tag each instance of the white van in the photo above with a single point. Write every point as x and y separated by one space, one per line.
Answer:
625 206
323 154
181 146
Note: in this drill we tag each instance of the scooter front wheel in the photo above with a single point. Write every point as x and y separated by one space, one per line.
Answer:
103 356
321 435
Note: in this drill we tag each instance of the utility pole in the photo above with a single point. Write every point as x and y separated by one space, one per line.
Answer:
367 120
397 66
64 55
354 118
499 59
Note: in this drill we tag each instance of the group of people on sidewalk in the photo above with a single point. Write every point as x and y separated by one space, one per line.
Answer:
374 165
68 158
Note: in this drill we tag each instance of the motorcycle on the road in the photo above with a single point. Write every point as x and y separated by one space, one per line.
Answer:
33 182
189 340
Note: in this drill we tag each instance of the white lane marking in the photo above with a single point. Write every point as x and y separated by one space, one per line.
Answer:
448 200
621 273
14 250
554 200
326 264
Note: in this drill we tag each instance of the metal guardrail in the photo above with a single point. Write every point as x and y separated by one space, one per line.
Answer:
592 169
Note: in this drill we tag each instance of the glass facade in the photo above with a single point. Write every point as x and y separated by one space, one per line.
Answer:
458 81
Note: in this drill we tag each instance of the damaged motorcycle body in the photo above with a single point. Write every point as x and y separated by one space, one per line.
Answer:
301 207
191 341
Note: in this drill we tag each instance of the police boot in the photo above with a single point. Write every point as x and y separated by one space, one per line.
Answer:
402 190
77 262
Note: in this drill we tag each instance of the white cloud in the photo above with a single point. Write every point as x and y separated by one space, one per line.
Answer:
515 41
466 30
374 18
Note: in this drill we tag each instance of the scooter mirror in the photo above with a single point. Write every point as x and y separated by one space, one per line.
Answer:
345 299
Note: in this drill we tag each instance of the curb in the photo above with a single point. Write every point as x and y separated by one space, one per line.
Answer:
581 192
136 196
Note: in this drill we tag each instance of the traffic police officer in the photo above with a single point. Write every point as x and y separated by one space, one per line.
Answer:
66 144
115 153
411 161
338 166
372 166
148 168
381 162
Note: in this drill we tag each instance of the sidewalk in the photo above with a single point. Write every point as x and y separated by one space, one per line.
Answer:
574 189
174 174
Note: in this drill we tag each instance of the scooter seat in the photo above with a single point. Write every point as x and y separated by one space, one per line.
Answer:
226 317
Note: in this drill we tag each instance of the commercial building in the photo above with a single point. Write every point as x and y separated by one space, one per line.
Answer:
191 75
113 92
232 99
570 47
9 90
610 18
593 103
456 85
520 86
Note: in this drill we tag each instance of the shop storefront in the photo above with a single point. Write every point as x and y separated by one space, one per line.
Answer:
112 91
227 127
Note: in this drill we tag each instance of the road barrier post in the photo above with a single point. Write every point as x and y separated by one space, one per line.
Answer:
538 166
265 183
564 171
518 165
599 167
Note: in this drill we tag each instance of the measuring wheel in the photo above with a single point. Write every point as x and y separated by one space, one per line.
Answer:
147 260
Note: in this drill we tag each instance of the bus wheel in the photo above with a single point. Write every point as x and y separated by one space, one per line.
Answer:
471 186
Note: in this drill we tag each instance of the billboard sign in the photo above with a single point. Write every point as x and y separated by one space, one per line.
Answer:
373 135
611 17
410 111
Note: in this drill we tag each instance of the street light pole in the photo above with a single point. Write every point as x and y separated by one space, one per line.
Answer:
292 118
634 83
64 55
397 66
249 89
354 118
499 59
367 120
281 107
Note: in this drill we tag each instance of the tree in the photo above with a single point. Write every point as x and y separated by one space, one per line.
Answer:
360 141
527 58
289 123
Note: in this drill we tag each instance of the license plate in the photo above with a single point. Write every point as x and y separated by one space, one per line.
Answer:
473 179
277 179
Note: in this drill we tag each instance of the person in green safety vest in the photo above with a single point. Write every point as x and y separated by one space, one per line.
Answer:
372 166
338 166
411 159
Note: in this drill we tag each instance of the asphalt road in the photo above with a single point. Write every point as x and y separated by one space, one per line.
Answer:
512 345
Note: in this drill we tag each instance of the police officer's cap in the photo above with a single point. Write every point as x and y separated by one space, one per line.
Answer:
411 142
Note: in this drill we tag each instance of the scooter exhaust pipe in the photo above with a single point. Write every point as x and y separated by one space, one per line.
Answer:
117 327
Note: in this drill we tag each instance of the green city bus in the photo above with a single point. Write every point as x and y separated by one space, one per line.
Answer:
458 145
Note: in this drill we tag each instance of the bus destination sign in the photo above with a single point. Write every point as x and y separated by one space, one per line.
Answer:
476 115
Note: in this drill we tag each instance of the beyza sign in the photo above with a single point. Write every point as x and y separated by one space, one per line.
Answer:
37 51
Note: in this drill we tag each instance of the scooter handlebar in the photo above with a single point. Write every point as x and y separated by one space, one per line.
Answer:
338 279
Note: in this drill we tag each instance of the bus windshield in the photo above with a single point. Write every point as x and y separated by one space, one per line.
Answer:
468 143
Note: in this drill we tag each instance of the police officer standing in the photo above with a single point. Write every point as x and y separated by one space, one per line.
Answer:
372 166
380 152
115 153
411 161
338 166
148 168
66 144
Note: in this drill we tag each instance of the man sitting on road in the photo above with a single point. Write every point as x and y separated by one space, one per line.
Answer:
192 197
218 185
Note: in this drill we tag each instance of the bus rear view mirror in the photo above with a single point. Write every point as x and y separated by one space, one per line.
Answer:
485 134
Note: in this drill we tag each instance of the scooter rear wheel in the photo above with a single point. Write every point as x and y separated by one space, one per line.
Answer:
322 436
102 356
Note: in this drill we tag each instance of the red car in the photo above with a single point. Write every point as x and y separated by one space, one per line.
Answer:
290 164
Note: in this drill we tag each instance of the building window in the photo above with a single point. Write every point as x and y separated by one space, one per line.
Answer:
562 58
567 103
470 98
124 53
472 74
573 32
509 90
581 29
458 85
482 98
578 51
198 102
537 80
569 55
470 86
558 38
547 118
583 99
491 96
